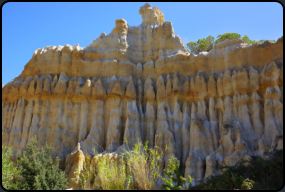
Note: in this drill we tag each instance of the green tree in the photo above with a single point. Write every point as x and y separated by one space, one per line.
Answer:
192 47
39 171
225 36
246 39
9 169
259 41
205 44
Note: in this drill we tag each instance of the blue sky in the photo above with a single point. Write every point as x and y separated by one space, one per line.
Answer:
28 26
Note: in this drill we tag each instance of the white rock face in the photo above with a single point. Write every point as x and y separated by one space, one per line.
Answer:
139 84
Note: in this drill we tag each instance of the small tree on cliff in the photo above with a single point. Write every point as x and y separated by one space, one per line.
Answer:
225 36
39 171
247 40
206 44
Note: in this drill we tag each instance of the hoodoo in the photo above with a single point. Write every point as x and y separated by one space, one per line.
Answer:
138 82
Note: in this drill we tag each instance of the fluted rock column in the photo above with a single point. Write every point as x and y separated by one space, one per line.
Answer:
163 138
5 129
44 129
278 114
185 132
140 108
95 139
248 133
241 149
177 130
201 142
201 139
70 132
5 114
270 127
114 127
214 123
149 95
225 149
36 119
27 124
132 132
256 111
194 166
83 130
16 131
57 129
11 120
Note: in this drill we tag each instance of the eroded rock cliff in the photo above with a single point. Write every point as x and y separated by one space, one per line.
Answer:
139 82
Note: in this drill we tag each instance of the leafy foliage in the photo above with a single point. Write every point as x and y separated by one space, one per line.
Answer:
267 173
247 40
143 165
201 45
9 169
85 175
206 44
111 174
39 171
225 36
133 169
175 180
260 174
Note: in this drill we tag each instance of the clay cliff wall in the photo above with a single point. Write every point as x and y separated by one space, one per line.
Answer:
138 82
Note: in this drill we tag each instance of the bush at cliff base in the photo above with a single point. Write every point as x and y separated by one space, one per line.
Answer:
135 169
38 171
261 174
9 170
175 180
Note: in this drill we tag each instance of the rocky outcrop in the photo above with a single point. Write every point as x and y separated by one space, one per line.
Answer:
140 84
74 162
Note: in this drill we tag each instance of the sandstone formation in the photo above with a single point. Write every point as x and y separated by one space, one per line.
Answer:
140 84
74 166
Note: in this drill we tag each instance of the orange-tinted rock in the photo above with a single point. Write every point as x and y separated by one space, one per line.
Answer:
140 82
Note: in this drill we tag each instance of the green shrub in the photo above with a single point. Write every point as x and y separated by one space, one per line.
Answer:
133 169
85 175
260 174
111 174
139 169
174 176
267 173
39 171
9 169
225 36
143 165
